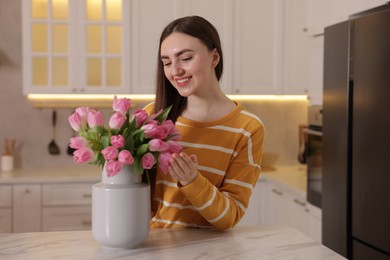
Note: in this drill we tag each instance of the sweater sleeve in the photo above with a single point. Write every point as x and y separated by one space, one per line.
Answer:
223 207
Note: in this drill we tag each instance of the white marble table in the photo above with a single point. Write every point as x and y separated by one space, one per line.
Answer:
259 242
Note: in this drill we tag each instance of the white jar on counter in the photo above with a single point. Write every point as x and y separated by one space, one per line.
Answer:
7 163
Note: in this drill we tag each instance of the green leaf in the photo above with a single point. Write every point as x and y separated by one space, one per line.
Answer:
163 116
142 149
137 165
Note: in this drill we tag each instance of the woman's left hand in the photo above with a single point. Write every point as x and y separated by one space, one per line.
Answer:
184 168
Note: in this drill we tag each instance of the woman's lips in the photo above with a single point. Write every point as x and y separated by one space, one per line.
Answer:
182 82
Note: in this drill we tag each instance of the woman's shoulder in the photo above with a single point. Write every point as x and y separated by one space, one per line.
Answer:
149 108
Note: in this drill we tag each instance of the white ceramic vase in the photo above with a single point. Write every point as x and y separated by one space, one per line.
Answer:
121 209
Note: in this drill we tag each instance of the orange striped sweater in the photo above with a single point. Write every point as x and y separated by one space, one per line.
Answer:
229 153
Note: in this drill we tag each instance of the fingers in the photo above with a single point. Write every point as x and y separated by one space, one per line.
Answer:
183 167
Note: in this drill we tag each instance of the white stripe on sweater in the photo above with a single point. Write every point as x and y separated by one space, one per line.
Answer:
251 115
174 205
170 184
210 147
240 183
243 208
210 201
225 211
212 170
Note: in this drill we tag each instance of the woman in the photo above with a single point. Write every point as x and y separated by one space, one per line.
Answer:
210 182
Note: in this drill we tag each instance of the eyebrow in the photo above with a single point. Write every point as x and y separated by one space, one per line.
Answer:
177 54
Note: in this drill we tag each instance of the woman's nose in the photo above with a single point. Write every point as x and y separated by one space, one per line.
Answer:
177 70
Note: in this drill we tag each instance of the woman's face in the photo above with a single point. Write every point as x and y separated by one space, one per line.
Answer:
188 64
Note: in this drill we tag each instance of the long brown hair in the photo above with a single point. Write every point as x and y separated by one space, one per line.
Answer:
195 26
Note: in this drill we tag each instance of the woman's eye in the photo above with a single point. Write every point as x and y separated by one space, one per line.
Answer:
186 59
166 64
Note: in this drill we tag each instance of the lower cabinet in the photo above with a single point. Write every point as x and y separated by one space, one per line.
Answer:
66 207
5 208
45 207
275 204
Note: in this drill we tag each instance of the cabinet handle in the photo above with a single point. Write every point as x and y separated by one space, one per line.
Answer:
299 202
87 195
86 222
277 192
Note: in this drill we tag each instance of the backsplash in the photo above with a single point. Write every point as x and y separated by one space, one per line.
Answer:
32 128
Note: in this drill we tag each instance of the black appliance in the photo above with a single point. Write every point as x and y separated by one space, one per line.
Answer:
356 136
313 155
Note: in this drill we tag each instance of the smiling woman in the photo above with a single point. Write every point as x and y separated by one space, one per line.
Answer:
209 184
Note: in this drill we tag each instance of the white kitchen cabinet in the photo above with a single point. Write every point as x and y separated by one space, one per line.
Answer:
26 203
296 43
257 52
5 208
66 218
284 207
76 47
66 206
252 215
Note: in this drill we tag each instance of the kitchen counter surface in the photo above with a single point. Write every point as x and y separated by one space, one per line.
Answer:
77 173
256 242
291 177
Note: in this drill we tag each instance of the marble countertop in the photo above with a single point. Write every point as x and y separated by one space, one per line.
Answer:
77 173
290 177
256 242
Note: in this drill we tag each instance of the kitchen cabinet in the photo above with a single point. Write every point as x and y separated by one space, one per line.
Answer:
5 208
253 213
26 206
276 204
296 57
288 208
257 46
66 207
76 47
320 14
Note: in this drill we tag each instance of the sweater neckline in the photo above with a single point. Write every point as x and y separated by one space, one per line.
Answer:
219 121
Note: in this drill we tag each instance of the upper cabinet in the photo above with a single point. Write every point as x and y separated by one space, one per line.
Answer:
110 46
76 46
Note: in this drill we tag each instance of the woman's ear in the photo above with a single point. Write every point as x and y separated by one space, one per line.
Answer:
216 58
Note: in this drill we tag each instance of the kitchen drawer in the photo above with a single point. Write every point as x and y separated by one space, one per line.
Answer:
67 194
5 195
5 220
66 218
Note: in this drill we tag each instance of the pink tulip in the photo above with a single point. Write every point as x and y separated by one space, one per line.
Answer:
164 159
95 118
140 116
83 155
110 153
148 161
121 105
169 125
83 112
174 147
117 120
118 141
157 145
153 130
112 168
175 135
125 157
78 142
75 121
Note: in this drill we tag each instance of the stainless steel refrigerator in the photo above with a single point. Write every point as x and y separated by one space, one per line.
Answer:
356 136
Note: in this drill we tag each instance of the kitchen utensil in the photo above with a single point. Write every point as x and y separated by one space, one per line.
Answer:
53 147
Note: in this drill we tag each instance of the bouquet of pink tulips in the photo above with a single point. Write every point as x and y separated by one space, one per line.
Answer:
141 140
